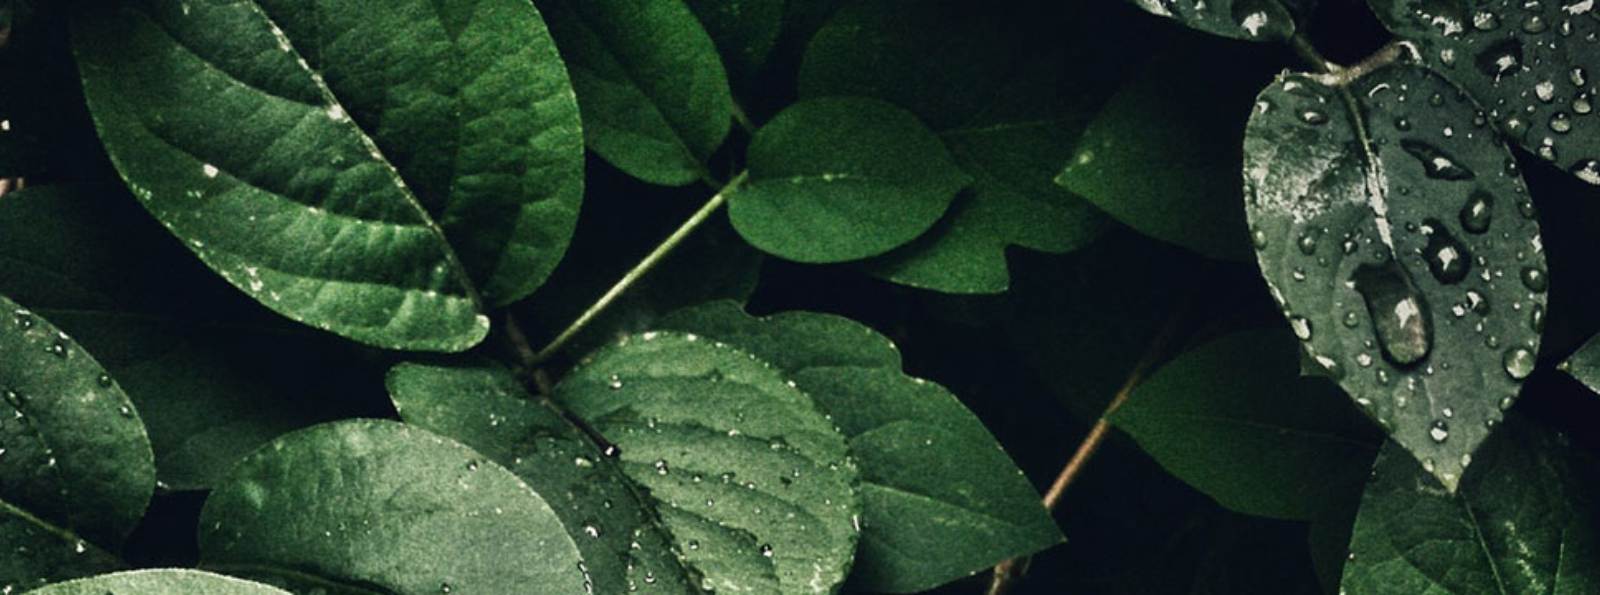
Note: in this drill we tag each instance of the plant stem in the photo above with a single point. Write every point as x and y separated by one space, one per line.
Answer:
639 270
1386 55
1308 52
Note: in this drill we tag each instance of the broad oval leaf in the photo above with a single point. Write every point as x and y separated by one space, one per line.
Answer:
1253 20
940 498
1523 522
166 581
745 472
1531 64
654 93
377 505
623 543
842 178
1262 440
75 466
373 202
1399 241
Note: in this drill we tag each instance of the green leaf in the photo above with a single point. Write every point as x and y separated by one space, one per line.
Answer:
63 490
1532 64
1160 157
616 528
1584 365
1234 419
745 32
654 94
842 178
1522 522
1005 107
1407 261
262 135
376 506
167 581
754 482
940 498
1253 20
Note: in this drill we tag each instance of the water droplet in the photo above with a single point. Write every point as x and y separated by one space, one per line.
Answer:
1351 320
1399 313
1258 238
1439 431
104 380
1587 170
1534 279
24 320
766 550
1435 162
1519 362
1578 77
1506 402
1478 213
1447 258
661 467
1301 327
1402 124
1536 318
1534 24
1501 58
1314 117
1308 242
615 382
1560 123
1545 91
1485 21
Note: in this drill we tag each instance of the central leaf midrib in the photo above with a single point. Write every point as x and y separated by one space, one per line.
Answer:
66 535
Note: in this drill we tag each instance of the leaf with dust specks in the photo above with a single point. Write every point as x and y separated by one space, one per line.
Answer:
1252 20
165 581
1407 260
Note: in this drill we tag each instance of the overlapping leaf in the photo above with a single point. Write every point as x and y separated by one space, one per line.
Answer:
744 32
374 202
1253 20
1397 236
159 582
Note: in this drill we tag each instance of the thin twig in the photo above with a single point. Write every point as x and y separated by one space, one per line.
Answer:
1386 55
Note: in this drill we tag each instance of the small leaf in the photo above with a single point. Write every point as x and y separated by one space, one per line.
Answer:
1408 262
654 93
1522 522
1253 20
169 581
1584 365
842 178
1234 419
379 506
738 460
63 490
1532 64
745 32
940 498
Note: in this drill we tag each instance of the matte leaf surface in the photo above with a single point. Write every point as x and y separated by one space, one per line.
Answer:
1253 20
754 482
376 506
745 32
1532 65
1398 239
1523 522
615 526
159 582
940 498
1234 419
263 134
843 178
654 93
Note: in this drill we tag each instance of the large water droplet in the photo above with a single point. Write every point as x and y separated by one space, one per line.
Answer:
1503 58
1301 327
1399 313
1534 279
1447 258
1439 431
1587 170
1435 162
1478 213
1519 362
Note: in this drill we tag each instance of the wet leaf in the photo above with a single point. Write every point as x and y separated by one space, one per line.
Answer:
1253 20
1522 522
1407 260
169 581
369 505
940 498
842 178
654 93
261 134
1532 65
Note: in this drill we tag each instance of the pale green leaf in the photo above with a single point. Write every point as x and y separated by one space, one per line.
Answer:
159 582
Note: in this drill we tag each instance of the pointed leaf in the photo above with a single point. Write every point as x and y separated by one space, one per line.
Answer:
1523 522
940 498
654 94
1531 64
159 582
262 135
1407 260
842 178
1585 365
374 505
1253 20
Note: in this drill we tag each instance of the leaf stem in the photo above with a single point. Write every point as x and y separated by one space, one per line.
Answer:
1341 76
639 270
1307 51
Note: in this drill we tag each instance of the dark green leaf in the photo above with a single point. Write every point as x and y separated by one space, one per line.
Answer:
1254 20
616 529
170 581
940 498
1532 64
1234 419
745 32
1523 522
61 485
262 135
749 477
1407 260
653 91
375 506
1585 365
1004 104
843 178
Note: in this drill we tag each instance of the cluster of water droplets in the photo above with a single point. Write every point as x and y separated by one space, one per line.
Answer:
1244 19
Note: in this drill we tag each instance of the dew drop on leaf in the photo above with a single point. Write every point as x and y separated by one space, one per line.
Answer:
1478 213
1519 362
1447 258
1400 316
1435 162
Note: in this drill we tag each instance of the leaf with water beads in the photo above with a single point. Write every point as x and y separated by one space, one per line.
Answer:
1400 242
166 581
1253 20
1532 65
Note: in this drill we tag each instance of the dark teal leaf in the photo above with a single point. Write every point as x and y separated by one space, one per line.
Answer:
376 506
1522 522
169 581
1253 20
755 483
262 135
1234 419
1531 64
614 525
940 498
745 32
842 178
653 91
1584 365
1407 260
